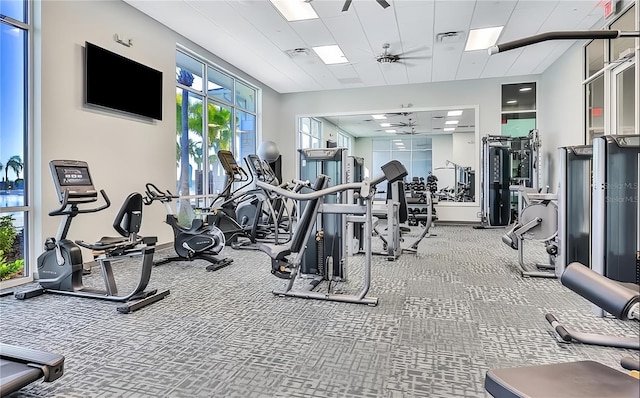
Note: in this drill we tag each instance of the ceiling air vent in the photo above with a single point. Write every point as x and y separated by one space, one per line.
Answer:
449 37
298 52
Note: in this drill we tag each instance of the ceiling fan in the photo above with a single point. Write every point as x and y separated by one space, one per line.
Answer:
412 132
387 57
347 4
411 123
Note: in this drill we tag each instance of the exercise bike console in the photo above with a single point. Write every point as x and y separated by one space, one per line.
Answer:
73 181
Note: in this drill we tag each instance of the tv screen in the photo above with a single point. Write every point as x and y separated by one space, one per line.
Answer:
113 81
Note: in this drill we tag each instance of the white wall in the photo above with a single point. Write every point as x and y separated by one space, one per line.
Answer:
124 153
560 111
463 149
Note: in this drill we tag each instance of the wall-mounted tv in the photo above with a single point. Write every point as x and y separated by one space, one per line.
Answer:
113 81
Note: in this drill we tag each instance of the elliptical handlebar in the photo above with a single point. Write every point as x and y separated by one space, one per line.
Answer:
154 193
62 211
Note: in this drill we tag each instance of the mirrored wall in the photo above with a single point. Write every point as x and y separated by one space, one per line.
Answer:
434 142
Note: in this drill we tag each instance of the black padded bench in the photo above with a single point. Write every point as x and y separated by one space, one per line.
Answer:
583 379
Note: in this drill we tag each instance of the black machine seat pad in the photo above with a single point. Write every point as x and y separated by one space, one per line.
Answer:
583 379
274 251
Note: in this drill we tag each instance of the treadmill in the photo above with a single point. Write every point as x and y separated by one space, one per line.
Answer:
21 366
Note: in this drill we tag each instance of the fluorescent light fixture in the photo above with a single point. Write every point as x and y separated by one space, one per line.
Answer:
390 131
385 124
481 39
397 140
448 129
451 122
378 117
331 54
523 89
454 113
512 102
295 10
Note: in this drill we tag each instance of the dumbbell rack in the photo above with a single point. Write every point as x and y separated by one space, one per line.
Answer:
416 194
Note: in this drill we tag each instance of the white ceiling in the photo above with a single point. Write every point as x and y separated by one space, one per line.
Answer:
254 37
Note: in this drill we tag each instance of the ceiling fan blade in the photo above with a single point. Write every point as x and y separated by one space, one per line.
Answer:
383 3
346 5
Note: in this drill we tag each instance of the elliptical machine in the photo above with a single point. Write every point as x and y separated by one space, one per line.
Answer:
236 212
60 266
199 241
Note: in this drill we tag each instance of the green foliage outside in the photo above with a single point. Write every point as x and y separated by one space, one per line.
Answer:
8 234
9 270
189 120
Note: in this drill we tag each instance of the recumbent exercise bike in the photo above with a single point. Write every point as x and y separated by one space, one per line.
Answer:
60 266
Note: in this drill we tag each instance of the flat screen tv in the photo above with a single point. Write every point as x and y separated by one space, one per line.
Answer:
115 82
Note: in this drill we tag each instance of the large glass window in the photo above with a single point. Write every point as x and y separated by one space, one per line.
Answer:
414 153
343 140
229 120
610 73
14 132
518 109
623 46
595 107
594 56
310 132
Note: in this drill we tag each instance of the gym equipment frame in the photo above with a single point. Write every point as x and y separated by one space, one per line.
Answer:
357 213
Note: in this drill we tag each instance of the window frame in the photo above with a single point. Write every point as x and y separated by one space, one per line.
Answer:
608 72
28 106
220 101
314 135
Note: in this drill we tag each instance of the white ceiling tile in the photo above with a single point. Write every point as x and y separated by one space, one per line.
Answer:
313 32
492 13
499 64
472 64
253 36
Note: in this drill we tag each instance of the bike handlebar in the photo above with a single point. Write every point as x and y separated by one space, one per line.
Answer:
154 193
62 211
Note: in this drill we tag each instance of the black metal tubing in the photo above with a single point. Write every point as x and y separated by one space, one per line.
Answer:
560 35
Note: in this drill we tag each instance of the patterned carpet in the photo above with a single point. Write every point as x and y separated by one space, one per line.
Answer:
446 315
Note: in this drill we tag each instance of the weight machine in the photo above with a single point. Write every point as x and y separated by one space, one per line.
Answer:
507 164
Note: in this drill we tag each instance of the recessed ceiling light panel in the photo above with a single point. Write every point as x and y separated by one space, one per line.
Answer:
454 113
331 54
378 117
481 39
295 10
451 122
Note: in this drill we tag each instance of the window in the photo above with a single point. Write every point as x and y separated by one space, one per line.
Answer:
222 117
15 121
610 73
310 133
413 153
518 109
343 140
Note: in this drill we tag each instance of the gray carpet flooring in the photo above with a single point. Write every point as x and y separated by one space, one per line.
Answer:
446 315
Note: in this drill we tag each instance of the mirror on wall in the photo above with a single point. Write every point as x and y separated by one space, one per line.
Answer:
436 142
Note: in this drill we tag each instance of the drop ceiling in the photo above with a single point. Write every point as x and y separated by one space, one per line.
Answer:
253 36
